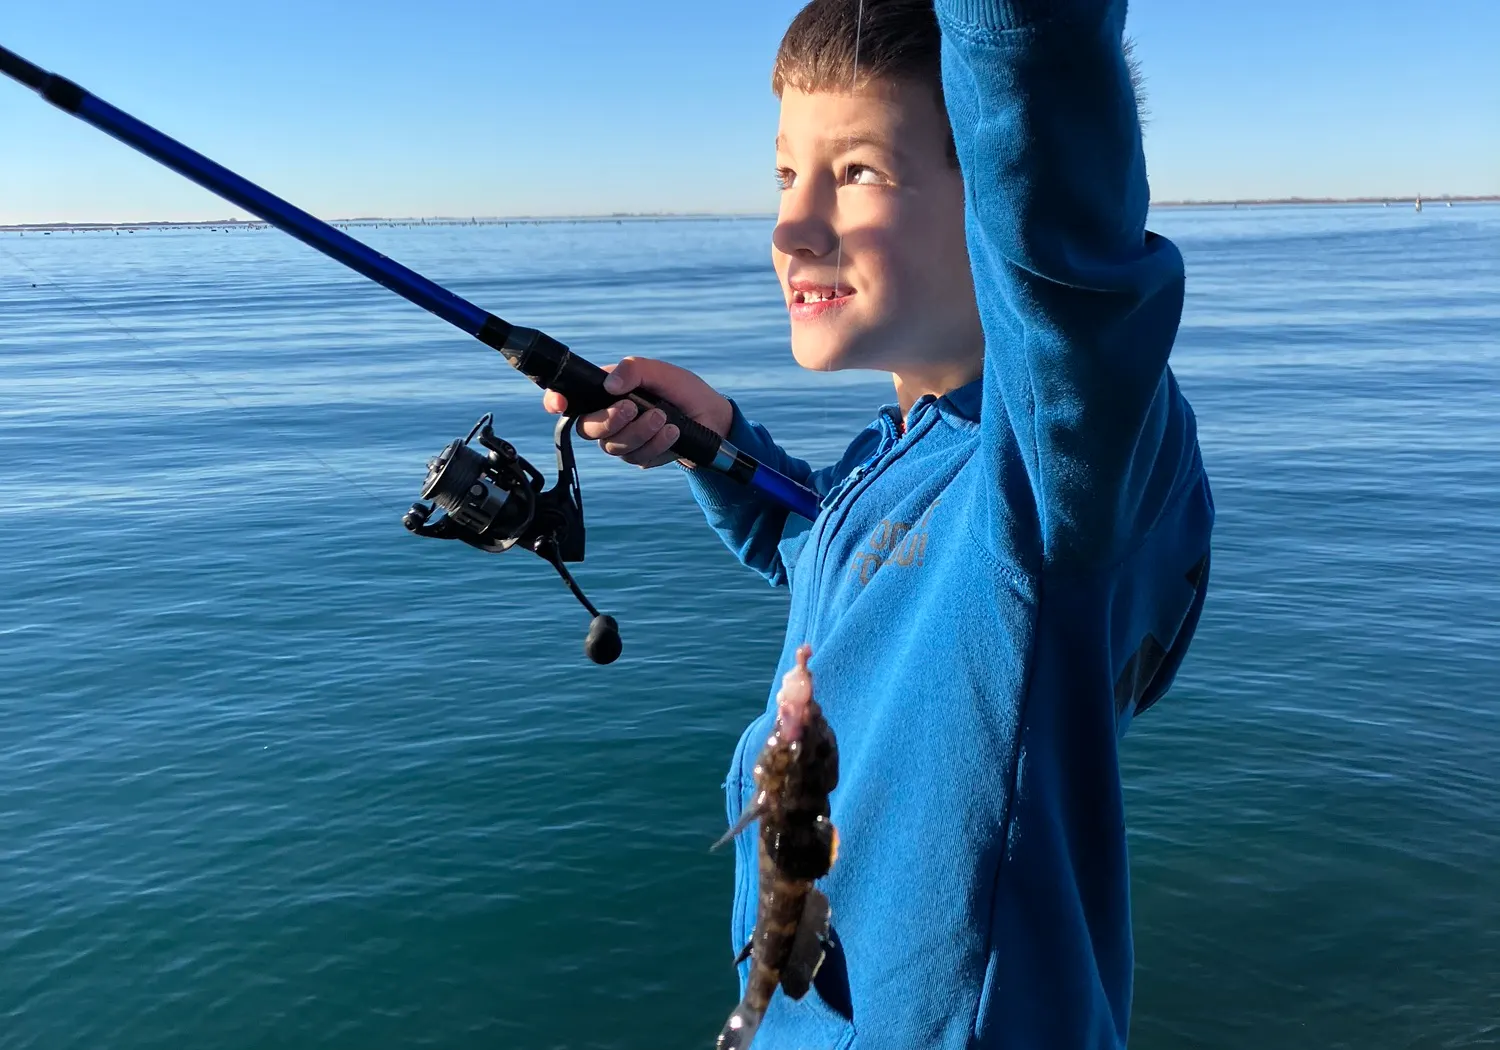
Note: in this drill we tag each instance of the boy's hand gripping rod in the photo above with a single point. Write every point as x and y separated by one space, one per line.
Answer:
544 360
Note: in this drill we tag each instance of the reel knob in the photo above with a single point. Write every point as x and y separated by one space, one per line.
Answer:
603 642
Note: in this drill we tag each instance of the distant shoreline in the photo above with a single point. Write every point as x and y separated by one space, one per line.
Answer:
537 220
1275 201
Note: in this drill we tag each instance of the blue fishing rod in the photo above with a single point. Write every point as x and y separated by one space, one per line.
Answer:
493 499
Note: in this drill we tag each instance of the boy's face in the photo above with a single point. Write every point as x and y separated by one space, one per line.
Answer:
869 242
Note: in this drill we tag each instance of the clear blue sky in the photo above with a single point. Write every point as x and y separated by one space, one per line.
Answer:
509 107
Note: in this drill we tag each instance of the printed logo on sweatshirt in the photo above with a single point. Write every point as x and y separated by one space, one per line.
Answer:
893 543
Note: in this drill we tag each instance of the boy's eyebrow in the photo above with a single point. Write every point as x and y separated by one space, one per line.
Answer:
852 141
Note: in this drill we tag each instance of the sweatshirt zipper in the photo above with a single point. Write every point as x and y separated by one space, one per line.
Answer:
842 499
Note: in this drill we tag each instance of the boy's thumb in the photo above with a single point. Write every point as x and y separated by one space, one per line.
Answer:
631 373
626 374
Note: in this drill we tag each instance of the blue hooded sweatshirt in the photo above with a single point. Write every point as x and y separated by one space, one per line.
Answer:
993 590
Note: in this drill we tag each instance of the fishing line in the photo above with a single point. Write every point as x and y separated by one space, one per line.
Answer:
859 21
375 501
838 266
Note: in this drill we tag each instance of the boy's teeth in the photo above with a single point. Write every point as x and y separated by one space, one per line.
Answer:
817 297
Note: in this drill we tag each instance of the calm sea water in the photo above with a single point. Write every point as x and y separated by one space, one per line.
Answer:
275 773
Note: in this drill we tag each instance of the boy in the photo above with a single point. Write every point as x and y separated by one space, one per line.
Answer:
1009 562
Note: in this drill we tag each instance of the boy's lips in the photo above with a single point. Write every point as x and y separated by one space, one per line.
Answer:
812 299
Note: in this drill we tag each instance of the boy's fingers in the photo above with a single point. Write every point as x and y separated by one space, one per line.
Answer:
554 402
629 440
654 452
596 426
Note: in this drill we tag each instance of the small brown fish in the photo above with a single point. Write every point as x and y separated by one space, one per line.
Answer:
794 775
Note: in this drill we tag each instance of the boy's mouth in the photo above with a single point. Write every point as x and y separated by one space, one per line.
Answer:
810 299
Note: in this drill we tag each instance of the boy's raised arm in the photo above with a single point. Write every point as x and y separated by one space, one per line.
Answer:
1080 304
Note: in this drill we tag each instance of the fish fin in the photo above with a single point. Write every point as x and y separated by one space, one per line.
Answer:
745 951
832 979
750 815
808 946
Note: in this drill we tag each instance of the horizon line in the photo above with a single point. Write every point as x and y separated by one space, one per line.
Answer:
489 220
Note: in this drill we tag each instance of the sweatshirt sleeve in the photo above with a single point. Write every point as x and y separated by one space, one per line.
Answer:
749 525
1080 303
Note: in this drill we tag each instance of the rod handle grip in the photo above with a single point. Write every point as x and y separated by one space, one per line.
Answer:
695 442
552 366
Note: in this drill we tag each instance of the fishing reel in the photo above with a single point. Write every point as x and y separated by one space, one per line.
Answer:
494 500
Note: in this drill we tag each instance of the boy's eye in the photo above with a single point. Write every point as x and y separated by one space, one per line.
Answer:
784 178
862 175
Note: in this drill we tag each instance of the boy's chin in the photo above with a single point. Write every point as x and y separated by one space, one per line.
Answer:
816 360
823 355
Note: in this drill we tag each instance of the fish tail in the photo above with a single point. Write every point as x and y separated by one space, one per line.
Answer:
739 1030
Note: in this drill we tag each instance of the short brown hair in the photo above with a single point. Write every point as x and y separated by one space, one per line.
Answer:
844 45
896 40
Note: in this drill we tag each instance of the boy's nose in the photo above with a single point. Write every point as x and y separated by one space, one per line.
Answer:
801 232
